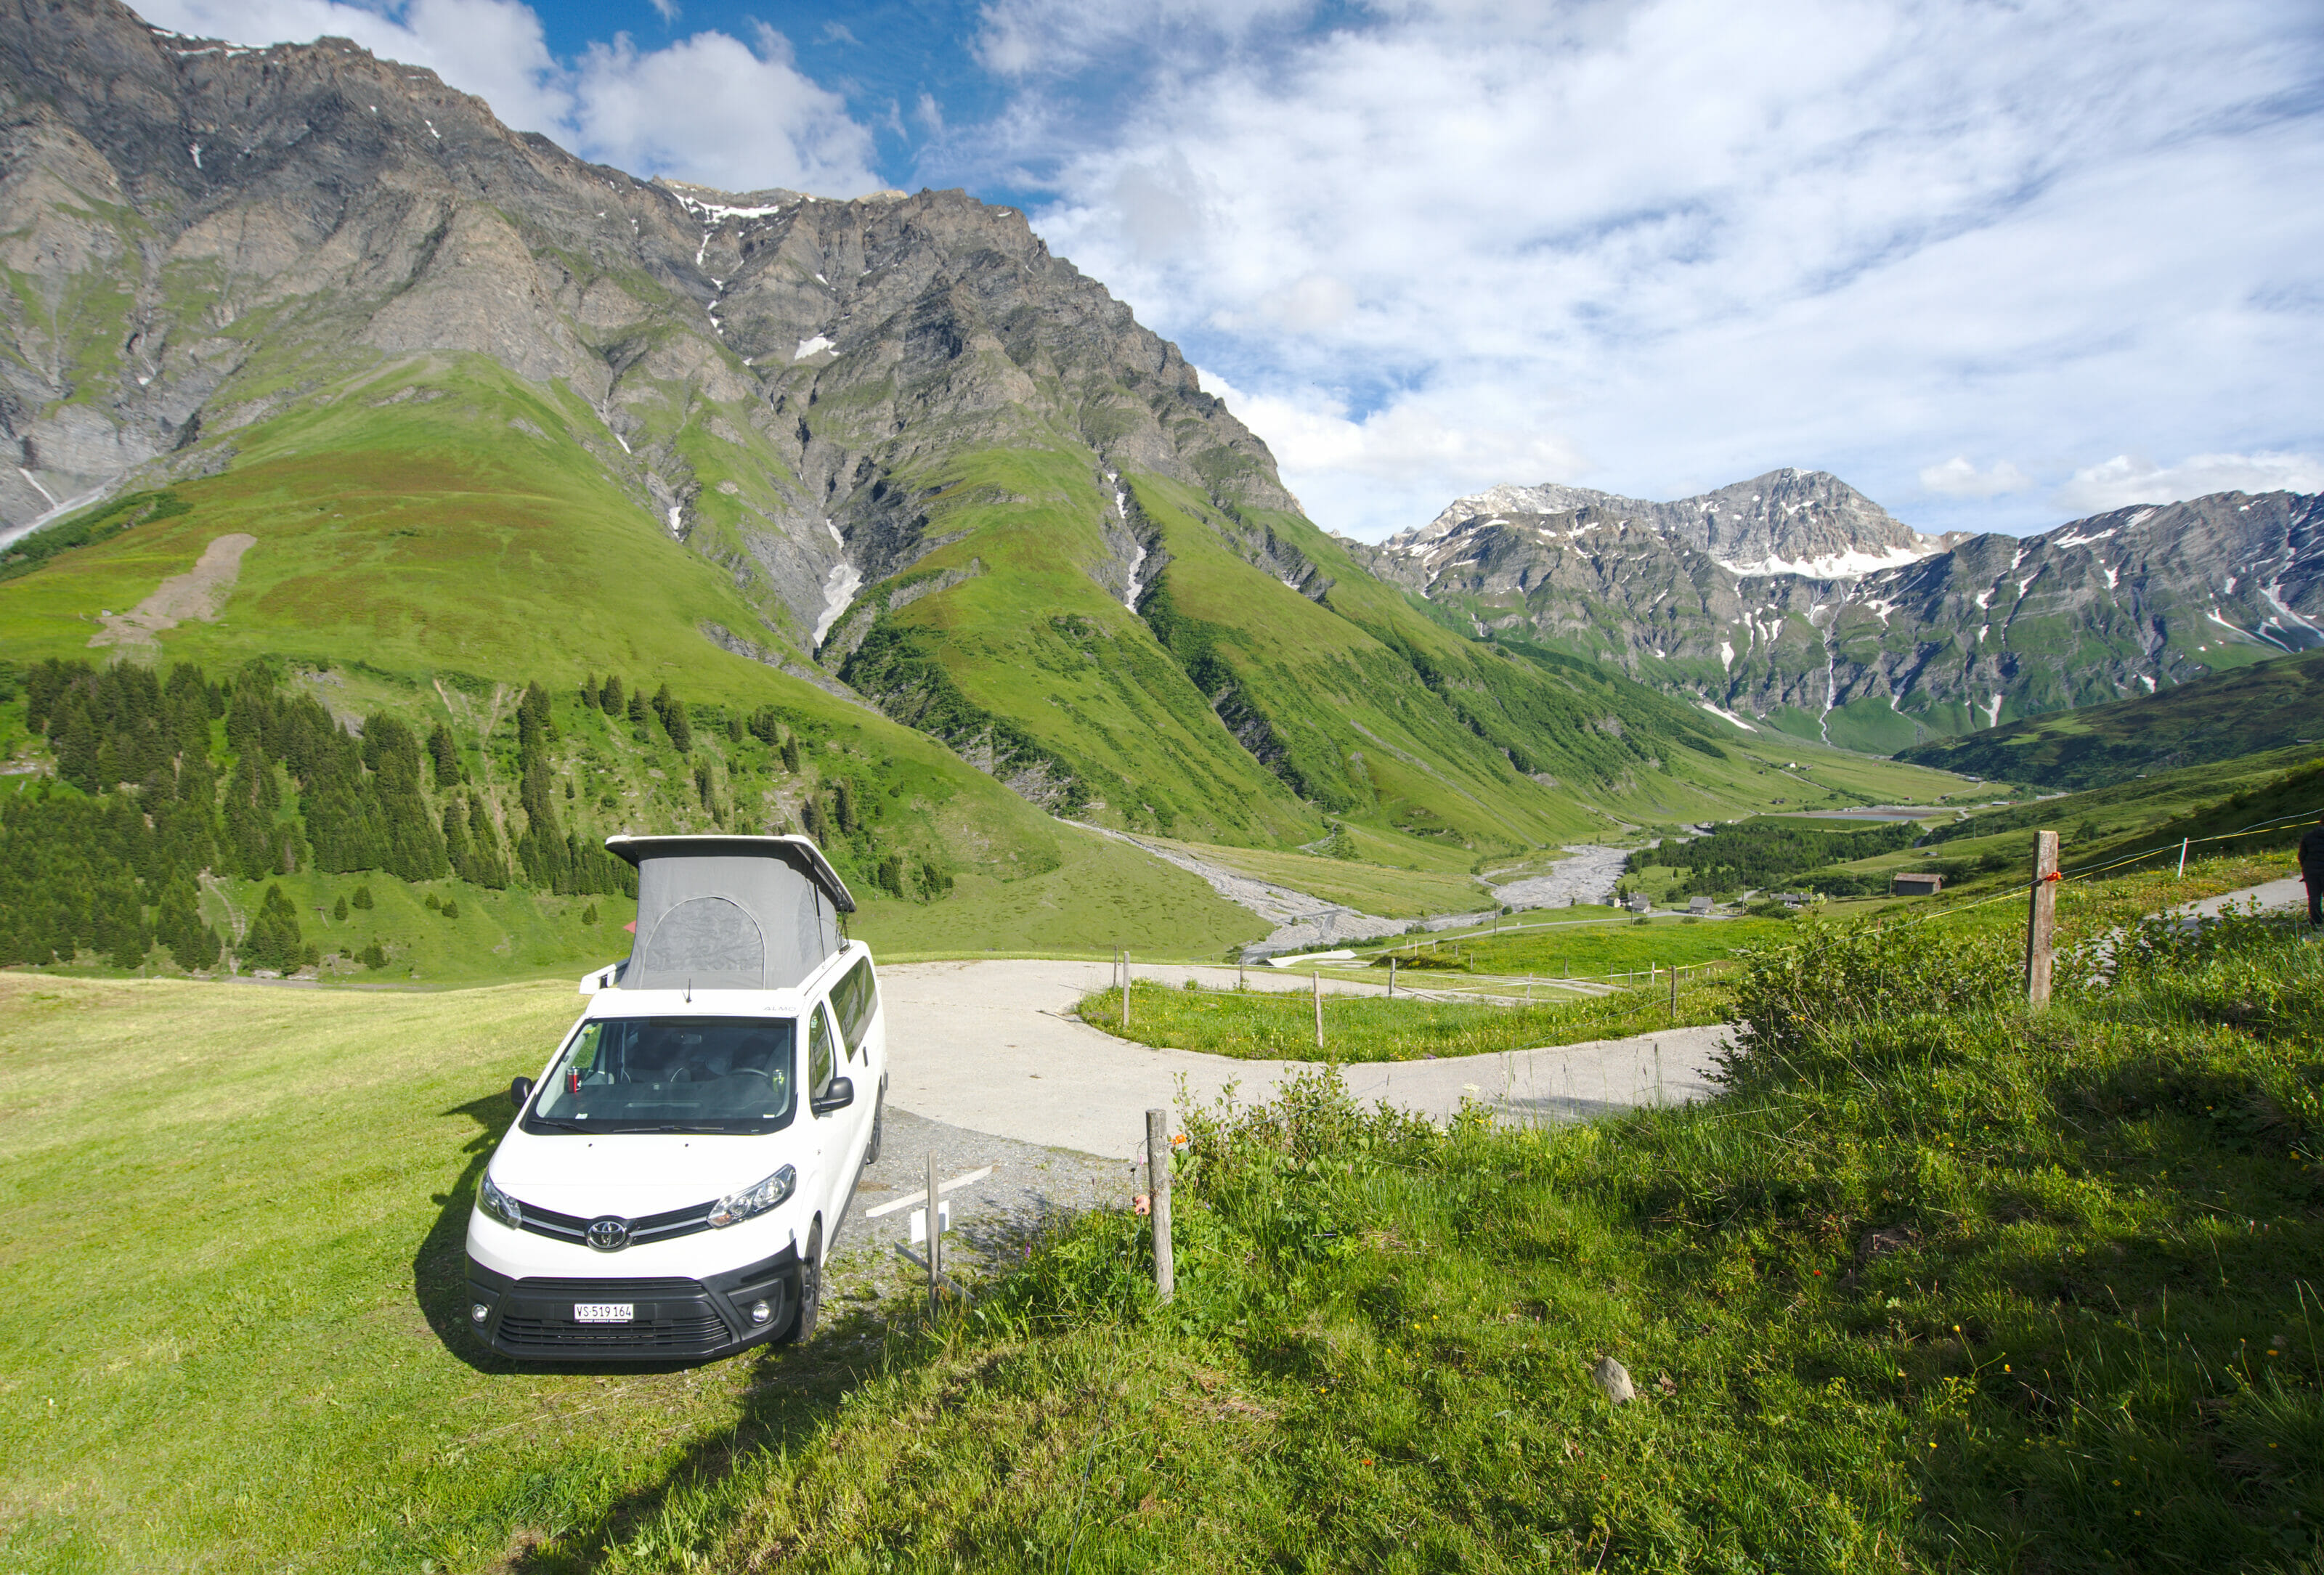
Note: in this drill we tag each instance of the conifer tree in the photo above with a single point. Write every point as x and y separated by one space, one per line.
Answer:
444 754
274 940
251 799
609 698
673 722
412 846
178 925
487 865
456 852
118 922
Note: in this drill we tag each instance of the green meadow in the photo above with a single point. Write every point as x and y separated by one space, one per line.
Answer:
1268 1025
1934 1284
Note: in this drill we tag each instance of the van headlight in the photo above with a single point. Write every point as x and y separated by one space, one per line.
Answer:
499 1204
754 1200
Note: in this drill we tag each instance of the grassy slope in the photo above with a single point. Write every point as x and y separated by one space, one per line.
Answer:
1939 1289
1948 1289
277 1378
401 543
1033 637
2267 705
1269 1025
1036 639
2105 825
1681 762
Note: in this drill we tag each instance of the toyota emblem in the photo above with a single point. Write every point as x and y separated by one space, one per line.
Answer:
609 1234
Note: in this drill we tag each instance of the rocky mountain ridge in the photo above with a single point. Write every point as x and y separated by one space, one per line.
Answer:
482 395
1786 521
351 202
1793 603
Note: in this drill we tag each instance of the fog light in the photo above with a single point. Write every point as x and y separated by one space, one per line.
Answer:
761 1312
479 1312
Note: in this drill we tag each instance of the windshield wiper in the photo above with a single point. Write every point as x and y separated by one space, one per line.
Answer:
561 1126
672 1127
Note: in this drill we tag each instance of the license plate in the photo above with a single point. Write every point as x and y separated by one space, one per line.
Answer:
604 1312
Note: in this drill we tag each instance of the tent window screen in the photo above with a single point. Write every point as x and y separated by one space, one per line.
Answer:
853 999
709 941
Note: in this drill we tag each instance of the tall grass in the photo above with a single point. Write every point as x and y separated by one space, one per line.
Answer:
1951 1289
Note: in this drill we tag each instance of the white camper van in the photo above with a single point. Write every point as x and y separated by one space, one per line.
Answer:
671 1180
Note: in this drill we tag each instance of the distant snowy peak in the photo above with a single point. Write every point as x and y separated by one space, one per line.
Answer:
1807 523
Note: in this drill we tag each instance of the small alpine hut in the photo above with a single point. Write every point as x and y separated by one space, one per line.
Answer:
1916 885
730 912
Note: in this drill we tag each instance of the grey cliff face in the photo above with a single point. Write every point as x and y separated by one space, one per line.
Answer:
1809 522
1794 601
306 207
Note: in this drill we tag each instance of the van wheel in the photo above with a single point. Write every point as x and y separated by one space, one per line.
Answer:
879 1121
810 1291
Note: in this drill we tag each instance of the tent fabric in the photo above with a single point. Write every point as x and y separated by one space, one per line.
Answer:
730 912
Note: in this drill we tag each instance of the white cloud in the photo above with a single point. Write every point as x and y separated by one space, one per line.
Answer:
1699 240
2124 481
1037 38
708 107
1959 478
1403 457
714 109
667 10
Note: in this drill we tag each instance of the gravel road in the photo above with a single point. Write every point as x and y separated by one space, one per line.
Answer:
989 1046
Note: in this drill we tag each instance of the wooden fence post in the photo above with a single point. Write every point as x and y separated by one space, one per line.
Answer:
1391 974
1315 978
1158 1199
2041 919
1673 974
1125 987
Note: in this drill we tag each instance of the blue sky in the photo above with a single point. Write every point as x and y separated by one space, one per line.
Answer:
1996 264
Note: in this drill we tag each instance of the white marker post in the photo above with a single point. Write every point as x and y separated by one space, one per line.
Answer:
1158 1199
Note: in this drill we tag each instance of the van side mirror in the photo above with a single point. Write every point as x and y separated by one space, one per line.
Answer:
520 1091
837 1095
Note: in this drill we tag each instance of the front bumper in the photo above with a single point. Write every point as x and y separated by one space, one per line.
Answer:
672 1319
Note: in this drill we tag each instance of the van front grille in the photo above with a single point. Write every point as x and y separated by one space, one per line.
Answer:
675 1336
667 1226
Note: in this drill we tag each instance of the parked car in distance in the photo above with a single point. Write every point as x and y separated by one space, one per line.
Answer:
669 1186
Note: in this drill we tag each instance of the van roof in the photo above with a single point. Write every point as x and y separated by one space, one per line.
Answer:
730 912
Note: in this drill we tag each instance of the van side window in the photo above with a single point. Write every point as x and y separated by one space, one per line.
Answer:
853 999
820 1058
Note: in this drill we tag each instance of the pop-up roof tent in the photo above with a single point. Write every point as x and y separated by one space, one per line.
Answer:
730 913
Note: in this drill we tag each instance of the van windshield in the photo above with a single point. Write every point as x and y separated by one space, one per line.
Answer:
670 1074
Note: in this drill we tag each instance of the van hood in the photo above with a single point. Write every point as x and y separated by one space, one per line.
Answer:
630 1173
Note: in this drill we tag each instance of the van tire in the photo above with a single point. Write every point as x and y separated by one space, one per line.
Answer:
810 1293
879 1124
